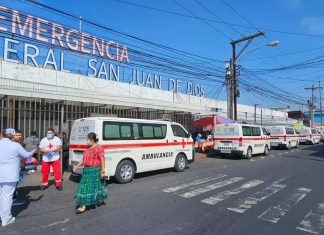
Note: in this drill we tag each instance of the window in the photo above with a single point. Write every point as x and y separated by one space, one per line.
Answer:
256 131
264 131
153 131
158 132
133 131
147 132
136 131
314 131
178 131
125 131
119 131
290 131
246 131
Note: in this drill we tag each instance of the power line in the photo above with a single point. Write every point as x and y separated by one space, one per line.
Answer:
217 30
219 22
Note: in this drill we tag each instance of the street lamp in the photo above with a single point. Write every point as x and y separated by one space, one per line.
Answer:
233 85
270 44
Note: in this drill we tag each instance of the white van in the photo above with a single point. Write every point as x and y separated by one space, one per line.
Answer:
283 136
133 145
241 139
309 135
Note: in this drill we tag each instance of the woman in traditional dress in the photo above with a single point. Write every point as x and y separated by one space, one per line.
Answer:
92 189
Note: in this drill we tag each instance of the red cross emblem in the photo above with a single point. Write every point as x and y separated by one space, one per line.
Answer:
50 146
183 143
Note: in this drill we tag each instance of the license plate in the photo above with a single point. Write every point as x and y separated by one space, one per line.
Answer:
226 151
227 144
274 144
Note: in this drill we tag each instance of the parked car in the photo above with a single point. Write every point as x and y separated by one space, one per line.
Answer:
241 140
283 137
309 135
133 145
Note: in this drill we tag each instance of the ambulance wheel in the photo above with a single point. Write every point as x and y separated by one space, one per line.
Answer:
248 153
125 172
180 163
289 145
266 150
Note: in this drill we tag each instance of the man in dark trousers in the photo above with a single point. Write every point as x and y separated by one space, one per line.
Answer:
65 150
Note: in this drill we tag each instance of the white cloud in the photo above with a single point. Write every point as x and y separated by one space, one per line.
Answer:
313 24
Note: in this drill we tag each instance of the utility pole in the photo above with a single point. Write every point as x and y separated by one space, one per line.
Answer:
229 87
321 109
311 105
255 105
261 117
234 60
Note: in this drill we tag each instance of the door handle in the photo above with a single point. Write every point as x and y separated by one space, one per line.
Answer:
175 141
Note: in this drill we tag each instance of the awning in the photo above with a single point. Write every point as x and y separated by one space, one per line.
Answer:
298 126
208 121
221 120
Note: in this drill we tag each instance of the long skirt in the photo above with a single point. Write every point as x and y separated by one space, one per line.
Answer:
92 189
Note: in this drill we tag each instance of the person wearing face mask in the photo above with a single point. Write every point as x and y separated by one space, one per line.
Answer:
50 148
92 190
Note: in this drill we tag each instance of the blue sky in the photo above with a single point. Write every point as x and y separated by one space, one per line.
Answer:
206 27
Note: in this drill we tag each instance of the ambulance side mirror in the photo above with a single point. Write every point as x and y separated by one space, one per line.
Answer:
268 133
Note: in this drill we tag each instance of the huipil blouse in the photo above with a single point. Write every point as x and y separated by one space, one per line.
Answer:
91 157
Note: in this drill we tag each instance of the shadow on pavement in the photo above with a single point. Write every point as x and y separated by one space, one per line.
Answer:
213 154
316 151
23 195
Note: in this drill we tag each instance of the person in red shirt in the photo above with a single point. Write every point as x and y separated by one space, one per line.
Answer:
92 188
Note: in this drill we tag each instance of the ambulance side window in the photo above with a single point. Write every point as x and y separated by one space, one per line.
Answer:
147 131
178 131
111 131
264 131
118 131
290 131
125 131
256 131
136 131
246 131
153 131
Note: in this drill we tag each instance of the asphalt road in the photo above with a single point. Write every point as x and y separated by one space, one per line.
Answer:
281 193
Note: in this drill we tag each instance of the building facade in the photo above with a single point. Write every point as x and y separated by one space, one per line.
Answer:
51 75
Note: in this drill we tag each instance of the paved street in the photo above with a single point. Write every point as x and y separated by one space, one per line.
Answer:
277 194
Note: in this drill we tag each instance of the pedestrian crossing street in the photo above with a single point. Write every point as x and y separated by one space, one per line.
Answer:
313 221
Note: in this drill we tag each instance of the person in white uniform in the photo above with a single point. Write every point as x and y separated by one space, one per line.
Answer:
50 147
10 155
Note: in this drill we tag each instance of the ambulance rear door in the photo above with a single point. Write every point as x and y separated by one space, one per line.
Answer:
80 129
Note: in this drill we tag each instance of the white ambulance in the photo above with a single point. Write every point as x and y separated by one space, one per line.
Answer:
309 135
133 145
241 139
283 137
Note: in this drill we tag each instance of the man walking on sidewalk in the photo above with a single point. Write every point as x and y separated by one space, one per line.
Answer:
50 147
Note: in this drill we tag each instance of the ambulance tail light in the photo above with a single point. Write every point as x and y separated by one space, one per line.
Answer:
310 136
285 137
240 141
